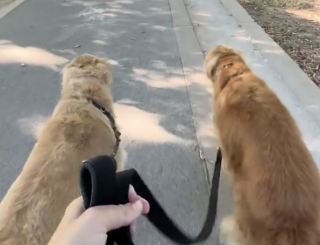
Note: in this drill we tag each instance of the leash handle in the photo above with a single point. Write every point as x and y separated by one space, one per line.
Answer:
101 185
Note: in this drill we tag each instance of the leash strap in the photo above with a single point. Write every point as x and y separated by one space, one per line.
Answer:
101 185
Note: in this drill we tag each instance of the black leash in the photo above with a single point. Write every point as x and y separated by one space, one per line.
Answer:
101 185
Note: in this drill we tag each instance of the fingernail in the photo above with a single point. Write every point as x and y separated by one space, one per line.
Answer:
131 190
137 206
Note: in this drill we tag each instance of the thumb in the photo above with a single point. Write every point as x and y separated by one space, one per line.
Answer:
74 210
114 217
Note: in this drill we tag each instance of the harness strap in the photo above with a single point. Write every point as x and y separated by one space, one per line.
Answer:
101 185
117 133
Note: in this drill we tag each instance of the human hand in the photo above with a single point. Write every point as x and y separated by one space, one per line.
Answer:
86 227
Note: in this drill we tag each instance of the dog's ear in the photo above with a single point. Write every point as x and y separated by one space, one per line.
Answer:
211 63
245 58
110 66
66 66
214 56
108 75
107 78
213 59
95 61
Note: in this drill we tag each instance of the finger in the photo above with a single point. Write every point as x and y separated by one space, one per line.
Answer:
74 210
113 217
133 197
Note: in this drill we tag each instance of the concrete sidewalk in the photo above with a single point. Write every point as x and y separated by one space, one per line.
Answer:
163 99
152 102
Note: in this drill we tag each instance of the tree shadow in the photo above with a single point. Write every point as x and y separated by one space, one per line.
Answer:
137 37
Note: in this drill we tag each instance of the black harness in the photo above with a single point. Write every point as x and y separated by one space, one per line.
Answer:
102 185
117 133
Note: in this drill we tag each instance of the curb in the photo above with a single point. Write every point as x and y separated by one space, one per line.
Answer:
306 91
8 8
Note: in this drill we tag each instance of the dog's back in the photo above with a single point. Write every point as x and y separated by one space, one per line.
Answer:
278 179
275 180
34 205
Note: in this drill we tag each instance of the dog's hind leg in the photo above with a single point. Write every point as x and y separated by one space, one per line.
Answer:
229 231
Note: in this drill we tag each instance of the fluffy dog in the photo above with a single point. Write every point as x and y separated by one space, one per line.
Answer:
275 181
77 130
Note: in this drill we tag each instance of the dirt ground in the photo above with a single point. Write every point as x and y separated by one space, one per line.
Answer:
295 26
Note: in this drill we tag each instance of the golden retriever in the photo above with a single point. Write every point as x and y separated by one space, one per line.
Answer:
275 181
49 181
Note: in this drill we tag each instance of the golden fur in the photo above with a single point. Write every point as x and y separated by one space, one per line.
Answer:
49 181
275 181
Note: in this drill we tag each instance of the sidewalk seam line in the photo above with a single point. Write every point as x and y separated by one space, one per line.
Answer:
200 147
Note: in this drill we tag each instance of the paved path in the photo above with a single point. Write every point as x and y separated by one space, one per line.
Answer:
153 106
162 97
